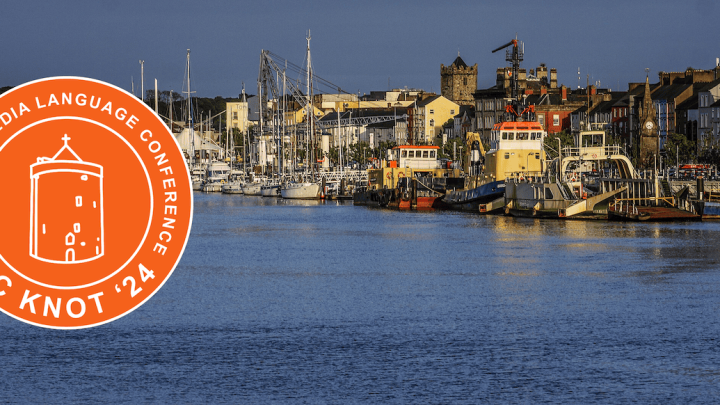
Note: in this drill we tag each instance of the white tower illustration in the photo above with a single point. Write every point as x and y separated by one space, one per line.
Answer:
66 208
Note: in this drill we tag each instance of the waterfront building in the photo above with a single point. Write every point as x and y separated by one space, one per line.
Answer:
665 100
715 120
602 111
371 126
553 110
707 96
489 108
428 116
686 116
463 123
242 112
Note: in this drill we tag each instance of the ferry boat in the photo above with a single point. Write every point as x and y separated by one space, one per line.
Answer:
582 182
412 177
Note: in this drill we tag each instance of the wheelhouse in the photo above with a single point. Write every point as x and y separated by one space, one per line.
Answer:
415 156
517 135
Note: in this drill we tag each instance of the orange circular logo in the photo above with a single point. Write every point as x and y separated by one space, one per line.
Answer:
97 205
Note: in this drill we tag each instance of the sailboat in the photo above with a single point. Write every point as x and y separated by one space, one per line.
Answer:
306 189
197 173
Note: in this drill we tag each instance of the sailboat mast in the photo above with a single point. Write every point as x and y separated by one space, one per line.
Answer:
309 156
191 132
284 109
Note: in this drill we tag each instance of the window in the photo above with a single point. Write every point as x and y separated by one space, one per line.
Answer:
411 153
507 155
504 135
541 120
432 111
556 120
234 115
425 154
452 112
548 193
432 123
464 81
432 154
404 153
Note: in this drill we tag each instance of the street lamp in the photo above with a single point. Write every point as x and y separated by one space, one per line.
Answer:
142 80
559 157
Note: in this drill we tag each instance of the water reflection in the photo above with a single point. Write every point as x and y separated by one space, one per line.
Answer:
305 301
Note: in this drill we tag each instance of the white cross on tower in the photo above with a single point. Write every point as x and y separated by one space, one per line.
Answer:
65 138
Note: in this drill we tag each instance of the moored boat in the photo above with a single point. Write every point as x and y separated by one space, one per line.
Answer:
300 191
411 178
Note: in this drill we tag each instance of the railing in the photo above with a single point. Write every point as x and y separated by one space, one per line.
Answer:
668 200
603 149
625 207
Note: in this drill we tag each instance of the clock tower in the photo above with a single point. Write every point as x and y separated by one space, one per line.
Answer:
649 140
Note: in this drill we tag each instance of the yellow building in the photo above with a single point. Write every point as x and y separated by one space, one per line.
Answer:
429 116
237 113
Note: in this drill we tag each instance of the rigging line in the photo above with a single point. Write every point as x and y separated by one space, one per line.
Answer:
315 78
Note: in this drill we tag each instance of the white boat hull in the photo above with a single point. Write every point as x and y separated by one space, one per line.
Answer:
270 191
252 189
212 187
301 191
232 188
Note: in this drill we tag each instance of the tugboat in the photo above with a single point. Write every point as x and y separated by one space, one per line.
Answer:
516 146
412 178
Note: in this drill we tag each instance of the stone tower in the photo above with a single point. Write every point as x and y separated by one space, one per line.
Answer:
458 82
649 140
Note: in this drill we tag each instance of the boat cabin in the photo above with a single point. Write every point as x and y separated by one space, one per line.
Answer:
517 135
516 147
414 156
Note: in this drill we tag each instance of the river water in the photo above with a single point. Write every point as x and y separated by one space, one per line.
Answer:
287 301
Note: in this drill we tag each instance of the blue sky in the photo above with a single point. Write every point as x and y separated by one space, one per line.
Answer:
360 46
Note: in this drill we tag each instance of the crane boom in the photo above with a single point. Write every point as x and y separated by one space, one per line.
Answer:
513 42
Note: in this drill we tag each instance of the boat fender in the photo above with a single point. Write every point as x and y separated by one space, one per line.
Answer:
406 196
222 181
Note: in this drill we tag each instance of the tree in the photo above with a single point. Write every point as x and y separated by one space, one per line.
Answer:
551 142
359 151
381 150
679 149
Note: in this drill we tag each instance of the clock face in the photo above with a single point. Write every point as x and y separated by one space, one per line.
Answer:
649 125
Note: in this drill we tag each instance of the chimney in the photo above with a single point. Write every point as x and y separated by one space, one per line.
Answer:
543 90
593 90
563 92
